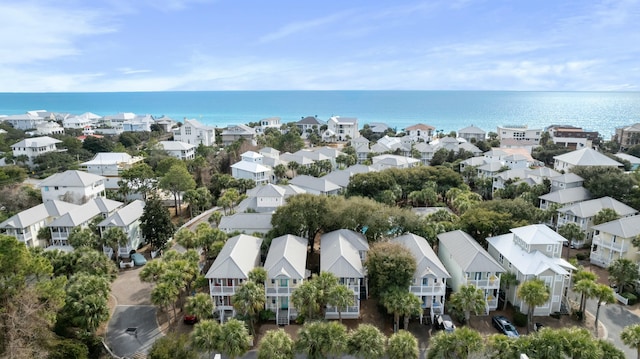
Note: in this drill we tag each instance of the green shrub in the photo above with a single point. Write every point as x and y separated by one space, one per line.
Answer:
267 314
581 256
631 297
68 349
520 319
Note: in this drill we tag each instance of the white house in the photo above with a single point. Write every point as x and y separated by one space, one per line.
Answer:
237 132
582 214
195 133
382 162
26 224
110 165
182 150
420 132
139 123
80 216
341 253
26 121
429 282
316 185
469 264
520 133
585 157
81 121
230 270
534 252
309 123
34 147
252 169
286 270
126 218
472 133
49 128
341 129
246 223
72 186
271 122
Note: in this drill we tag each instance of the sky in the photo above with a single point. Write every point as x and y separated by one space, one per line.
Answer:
196 45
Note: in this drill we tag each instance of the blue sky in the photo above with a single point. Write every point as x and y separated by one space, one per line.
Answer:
162 45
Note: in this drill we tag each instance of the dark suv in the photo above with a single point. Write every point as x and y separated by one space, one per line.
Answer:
444 322
504 326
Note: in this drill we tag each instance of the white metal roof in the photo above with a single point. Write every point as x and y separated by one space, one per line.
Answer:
466 251
237 258
428 263
287 257
71 178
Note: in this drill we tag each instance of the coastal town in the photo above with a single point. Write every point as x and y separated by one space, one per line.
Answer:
128 236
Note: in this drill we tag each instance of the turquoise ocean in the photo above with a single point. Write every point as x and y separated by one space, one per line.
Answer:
445 110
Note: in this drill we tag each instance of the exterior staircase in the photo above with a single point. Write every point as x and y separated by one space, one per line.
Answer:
283 317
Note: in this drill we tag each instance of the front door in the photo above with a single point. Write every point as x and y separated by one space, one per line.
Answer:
284 303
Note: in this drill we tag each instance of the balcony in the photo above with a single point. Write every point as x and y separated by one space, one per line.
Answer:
279 290
351 309
600 260
484 283
223 289
621 246
427 290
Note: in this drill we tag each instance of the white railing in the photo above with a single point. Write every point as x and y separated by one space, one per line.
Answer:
621 299
219 289
280 290
618 247
598 259
427 290
351 309
484 283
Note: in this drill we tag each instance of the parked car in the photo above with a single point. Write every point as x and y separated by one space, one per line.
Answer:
138 259
504 326
444 322
190 319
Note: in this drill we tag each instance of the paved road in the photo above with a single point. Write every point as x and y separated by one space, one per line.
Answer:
615 317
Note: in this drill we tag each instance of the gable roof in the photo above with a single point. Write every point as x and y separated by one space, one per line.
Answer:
587 157
287 257
124 216
38 213
626 227
340 257
632 159
318 184
343 177
466 251
109 158
176 145
472 129
249 166
538 234
428 263
419 126
79 215
567 178
358 240
309 120
71 178
198 124
267 190
246 221
567 195
237 258
590 208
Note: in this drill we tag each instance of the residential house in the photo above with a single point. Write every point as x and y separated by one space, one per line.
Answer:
26 121
34 147
614 240
628 136
126 218
572 137
230 270
520 133
564 197
382 162
139 123
534 252
316 185
48 128
182 150
110 165
309 123
429 282
267 198
341 129
361 146
246 223
582 214
195 133
286 270
80 216
166 123
586 157
26 224
343 177
426 152
251 167
72 186
633 160
237 132
472 134
469 264
420 132
342 253
271 122
81 121
564 181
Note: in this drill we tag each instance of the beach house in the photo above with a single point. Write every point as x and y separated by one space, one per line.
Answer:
26 224
34 147
195 133
614 240
586 157
72 186
127 219
110 166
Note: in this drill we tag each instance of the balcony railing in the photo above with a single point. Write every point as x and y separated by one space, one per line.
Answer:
351 309
427 290
600 260
492 303
219 289
280 290
484 283
614 246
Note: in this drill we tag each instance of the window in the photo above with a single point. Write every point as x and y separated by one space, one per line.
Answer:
549 247
501 258
55 188
187 130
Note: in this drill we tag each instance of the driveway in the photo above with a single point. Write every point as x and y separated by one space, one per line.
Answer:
615 317
133 327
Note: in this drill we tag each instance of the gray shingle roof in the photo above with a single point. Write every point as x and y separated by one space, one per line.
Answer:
80 214
469 255
314 183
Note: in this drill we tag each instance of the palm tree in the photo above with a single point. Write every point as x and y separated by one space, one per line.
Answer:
249 300
411 306
393 301
258 275
165 294
366 341
325 282
459 344
280 171
152 271
186 238
114 237
604 295
631 336
276 344
623 272
321 339
214 218
293 166
403 345
341 297
304 299
234 339
508 279
206 336
586 288
469 299
200 305
500 346
534 293
571 232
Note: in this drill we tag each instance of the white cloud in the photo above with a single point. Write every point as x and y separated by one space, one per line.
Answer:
303 26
